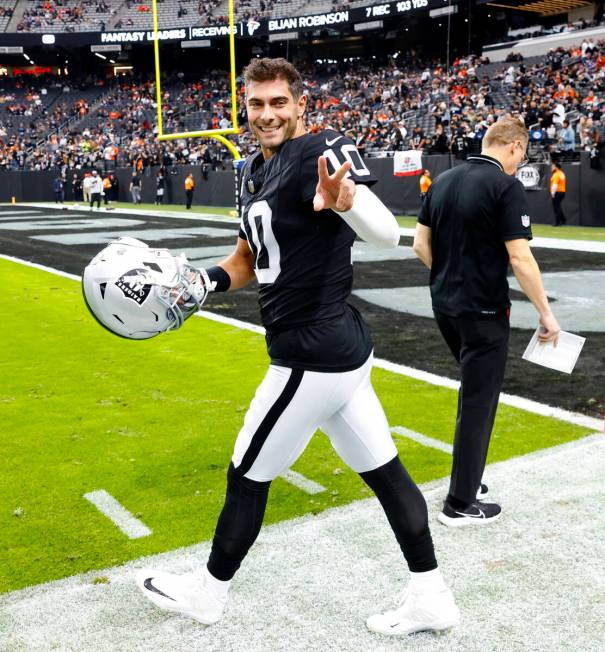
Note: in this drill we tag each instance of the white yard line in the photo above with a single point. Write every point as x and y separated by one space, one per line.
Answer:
507 399
532 581
300 481
424 440
117 514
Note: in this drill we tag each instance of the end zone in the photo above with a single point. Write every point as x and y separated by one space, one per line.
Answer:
530 581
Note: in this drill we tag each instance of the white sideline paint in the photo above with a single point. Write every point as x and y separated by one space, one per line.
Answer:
51 270
300 481
422 439
507 399
532 581
117 514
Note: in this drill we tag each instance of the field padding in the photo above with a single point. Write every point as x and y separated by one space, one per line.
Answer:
534 580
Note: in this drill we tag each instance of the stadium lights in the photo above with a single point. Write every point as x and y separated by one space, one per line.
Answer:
101 56
111 61
27 57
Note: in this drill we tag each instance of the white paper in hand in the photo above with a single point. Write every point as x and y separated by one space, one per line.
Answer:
563 357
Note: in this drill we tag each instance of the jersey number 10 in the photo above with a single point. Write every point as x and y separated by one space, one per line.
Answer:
267 266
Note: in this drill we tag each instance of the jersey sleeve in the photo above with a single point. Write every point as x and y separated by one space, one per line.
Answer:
515 221
337 149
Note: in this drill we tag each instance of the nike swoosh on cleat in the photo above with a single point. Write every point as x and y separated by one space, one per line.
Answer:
148 585
329 142
479 515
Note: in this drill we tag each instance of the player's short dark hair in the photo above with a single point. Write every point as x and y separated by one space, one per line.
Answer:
261 70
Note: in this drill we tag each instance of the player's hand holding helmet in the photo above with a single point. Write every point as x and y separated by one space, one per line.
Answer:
138 292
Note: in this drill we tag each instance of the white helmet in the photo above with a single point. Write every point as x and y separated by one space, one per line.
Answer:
138 292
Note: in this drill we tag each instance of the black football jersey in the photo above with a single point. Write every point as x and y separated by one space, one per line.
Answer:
302 258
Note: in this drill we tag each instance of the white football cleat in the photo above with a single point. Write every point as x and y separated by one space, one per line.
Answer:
417 612
190 595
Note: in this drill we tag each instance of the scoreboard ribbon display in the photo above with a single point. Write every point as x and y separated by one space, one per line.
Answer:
339 20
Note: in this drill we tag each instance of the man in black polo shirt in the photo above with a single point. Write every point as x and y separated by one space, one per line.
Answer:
473 222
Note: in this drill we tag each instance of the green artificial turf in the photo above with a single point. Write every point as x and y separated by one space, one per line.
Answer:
153 423
216 210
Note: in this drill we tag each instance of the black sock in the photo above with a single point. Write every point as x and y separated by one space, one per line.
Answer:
406 511
238 525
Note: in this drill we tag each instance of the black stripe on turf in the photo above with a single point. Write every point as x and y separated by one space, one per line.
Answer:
267 424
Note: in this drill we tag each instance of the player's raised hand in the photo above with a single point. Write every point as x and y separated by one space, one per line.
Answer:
333 191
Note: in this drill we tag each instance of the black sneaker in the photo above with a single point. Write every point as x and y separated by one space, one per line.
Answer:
475 514
482 491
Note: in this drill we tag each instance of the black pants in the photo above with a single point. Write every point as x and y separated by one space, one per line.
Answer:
189 194
557 200
95 197
480 345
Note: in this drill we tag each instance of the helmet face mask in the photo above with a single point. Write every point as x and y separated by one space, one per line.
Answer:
138 292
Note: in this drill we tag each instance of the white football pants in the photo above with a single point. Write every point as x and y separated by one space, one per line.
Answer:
289 406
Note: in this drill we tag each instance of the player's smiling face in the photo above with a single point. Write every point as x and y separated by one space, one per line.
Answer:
274 115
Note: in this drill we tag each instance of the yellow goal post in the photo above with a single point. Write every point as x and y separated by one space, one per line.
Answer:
217 134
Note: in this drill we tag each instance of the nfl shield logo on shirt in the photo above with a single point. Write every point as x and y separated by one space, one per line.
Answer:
525 220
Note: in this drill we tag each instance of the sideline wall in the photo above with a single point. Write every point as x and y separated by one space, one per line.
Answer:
584 203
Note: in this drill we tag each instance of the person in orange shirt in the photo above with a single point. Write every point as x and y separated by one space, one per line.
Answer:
425 183
106 189
189 186
557 191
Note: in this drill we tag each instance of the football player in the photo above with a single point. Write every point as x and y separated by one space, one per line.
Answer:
305 197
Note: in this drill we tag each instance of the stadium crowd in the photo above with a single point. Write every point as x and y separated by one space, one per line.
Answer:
395 106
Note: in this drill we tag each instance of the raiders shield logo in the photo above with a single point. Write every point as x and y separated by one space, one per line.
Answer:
133 285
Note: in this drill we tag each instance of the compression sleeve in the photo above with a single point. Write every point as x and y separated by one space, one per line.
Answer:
371 220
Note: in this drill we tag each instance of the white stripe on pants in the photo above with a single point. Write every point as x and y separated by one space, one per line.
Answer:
344 405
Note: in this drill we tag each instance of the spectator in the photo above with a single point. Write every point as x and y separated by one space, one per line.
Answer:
58 190
96 190
567 137
135 187
160 183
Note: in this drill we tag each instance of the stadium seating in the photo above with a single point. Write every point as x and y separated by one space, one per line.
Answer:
380 106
